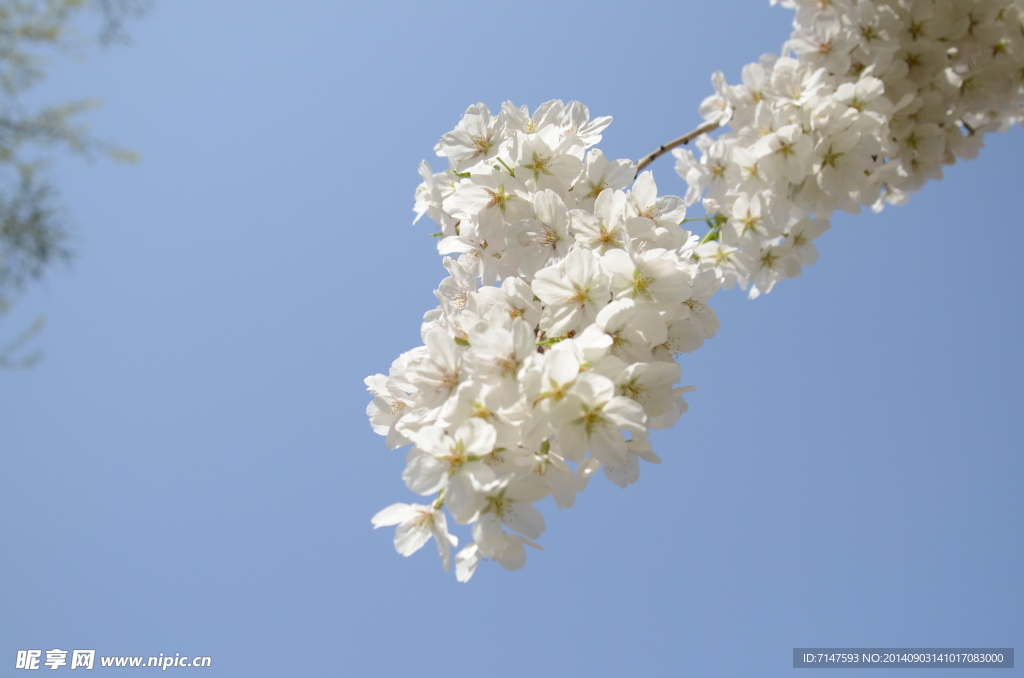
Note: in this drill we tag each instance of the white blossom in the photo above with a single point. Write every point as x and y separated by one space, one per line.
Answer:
572 285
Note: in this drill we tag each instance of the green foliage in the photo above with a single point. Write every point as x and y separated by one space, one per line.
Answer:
33 233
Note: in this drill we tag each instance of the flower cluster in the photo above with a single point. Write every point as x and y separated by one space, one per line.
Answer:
551 353
572 285
869 100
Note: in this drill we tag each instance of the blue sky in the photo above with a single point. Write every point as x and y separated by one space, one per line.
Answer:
190 468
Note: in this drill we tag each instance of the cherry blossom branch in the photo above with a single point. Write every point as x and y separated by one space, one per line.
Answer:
709 126
592 269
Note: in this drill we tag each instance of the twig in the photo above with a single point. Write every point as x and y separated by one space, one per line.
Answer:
709 126
7 359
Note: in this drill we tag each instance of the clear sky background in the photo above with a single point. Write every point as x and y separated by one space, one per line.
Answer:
190 468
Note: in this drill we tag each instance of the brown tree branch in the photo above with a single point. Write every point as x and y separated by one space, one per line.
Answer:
709 126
